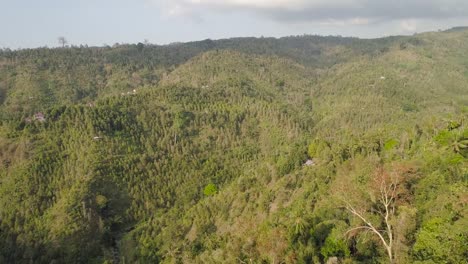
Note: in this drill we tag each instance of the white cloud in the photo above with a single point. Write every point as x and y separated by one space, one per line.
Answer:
273 4
357 12
176 10
358 21
408 26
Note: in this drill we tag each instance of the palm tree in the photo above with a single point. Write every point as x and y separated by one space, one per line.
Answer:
458 145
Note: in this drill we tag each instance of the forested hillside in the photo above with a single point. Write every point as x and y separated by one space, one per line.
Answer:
295 150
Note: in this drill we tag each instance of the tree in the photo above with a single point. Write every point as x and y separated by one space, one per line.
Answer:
458 145
181 120
210 189
62 41
140 46
387 201
376 206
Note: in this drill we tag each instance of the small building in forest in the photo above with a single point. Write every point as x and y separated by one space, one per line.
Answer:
309 162
39 117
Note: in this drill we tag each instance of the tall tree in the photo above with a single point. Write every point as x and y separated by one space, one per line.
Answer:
62 41
376 206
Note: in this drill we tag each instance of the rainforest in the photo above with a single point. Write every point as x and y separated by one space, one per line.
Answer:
302 149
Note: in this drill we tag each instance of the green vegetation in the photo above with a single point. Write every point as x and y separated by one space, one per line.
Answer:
210 189
196 152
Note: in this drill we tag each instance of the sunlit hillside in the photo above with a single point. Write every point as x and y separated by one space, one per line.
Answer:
294 150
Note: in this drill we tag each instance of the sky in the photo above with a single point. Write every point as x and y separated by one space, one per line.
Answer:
37 23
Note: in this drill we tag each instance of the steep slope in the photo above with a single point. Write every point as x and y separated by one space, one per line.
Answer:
206 162
407 83
136 160
32 80
405 108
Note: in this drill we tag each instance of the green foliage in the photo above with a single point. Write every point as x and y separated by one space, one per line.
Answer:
319 149
135 136
434 242
453 125
101 201
444 137
210 189
390 144
335 245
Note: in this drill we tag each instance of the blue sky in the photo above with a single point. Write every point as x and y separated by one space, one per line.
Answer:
33 23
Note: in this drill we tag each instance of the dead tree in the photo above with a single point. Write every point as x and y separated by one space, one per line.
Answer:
387 191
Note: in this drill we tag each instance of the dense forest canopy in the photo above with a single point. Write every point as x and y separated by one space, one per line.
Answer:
302 149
